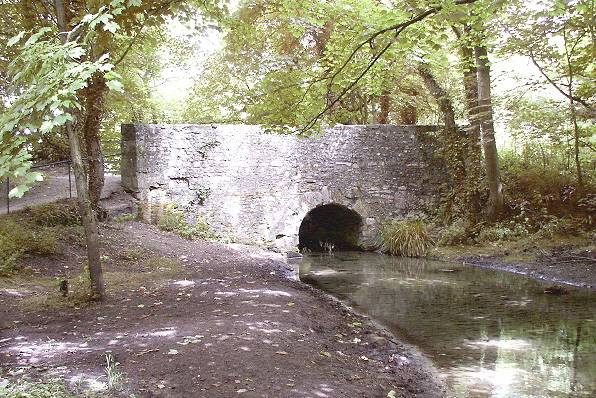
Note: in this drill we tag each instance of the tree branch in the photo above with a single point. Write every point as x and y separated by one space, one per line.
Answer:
555 85
398 28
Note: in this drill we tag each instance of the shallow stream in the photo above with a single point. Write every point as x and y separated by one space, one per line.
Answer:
490 333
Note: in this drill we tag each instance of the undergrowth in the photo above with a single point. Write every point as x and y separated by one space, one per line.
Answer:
542 201
37 231
174 220
27 389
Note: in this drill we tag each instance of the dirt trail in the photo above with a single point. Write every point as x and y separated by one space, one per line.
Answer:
54 187
227 323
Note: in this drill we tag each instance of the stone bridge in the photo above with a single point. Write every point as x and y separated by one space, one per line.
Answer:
283 191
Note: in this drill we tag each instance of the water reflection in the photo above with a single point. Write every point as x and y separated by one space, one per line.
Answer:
492 334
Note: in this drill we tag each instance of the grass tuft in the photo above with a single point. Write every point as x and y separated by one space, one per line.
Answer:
114 374
408 238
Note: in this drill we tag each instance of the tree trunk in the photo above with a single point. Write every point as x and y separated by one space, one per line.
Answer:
85 209
87 216
385 105
473 146
455 157
94 105
485 116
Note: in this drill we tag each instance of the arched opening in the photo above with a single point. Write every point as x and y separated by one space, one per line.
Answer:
330 224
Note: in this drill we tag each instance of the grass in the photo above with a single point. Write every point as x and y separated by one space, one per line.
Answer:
133 254
174 220
37 231
79 294
114 375
64 212
514 251
26 389
408 238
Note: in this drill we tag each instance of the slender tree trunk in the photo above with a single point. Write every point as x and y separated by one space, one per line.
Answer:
85 209
94 106
453 137
576 137
473 144
573 111
87 216
485 116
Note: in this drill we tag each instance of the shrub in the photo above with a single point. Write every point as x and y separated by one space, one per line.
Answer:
64 213
10 263
407 238
458 232
174 220
559 226
501 232
43 242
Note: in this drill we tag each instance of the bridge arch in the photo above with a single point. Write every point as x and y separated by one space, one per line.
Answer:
331 223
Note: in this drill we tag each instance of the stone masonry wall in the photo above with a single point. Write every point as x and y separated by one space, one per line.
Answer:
258 187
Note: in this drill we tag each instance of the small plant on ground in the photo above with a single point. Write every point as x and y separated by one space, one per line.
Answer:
114 375
25 389
174 220
408 238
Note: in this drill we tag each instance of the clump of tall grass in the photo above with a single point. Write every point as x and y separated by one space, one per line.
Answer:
407 238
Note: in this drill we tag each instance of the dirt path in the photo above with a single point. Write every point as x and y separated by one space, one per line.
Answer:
217 322
55 186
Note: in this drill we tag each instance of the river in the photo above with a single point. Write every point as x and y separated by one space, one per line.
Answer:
489 333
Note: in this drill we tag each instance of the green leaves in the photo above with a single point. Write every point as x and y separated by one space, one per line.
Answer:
115 85
14 40
47 76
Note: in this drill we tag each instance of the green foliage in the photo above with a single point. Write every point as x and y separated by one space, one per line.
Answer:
65 213
501 232
114 374
408 238
285 61
174 220
19 238
538 186
21 388
47 74
459 231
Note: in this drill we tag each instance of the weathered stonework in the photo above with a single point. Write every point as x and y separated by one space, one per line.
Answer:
258 187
